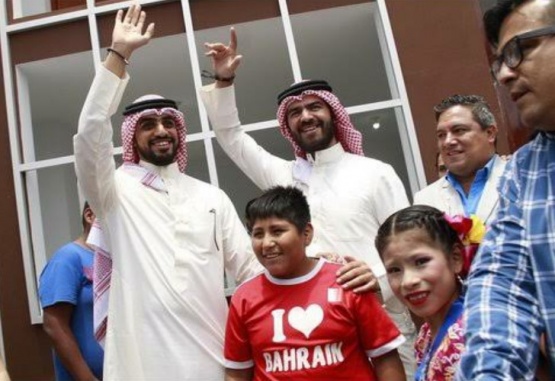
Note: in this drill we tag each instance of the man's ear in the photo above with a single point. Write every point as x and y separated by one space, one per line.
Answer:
491 131
88 215
308 233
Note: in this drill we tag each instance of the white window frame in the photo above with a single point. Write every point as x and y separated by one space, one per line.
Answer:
24 164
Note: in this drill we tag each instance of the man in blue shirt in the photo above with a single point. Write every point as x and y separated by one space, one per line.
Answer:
67 301
466 135
510 301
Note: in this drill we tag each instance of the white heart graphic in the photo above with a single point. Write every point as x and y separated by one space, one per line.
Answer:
306 321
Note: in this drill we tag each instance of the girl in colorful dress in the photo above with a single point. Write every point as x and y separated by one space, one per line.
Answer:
426 254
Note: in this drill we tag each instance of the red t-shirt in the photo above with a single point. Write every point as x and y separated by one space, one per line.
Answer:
306 328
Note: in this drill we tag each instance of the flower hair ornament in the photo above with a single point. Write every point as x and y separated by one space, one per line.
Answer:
471 232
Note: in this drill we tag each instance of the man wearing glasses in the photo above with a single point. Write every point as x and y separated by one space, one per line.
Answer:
511 289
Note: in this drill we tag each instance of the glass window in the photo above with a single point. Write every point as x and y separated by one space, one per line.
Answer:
162 67
343 47
102 2
265 69
55 90
197 165
25 8
341 41
59 206
382 141
233 181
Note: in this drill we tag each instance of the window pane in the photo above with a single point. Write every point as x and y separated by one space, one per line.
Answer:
162 67
24 8
343 48
57 88
197 166
383 143
232 180
102 2
59 206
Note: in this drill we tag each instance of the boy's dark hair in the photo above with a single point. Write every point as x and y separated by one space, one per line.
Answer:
495 16
426 218
287 203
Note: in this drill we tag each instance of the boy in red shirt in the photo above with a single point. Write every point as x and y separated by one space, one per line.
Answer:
293 321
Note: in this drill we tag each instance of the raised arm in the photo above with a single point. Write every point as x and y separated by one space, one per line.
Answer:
94 163
263 168
225 60
128 35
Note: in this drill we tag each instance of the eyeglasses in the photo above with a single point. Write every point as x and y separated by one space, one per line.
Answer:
511 54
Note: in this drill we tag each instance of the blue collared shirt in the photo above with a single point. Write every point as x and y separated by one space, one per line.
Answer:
510 300
470 201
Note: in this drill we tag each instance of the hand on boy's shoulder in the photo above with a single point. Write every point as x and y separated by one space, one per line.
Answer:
332 257
354 275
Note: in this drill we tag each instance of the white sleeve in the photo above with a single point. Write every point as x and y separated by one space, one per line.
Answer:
263 168
429 195
390 195
418 198
93 146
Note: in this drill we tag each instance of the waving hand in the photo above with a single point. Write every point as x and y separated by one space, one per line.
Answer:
225 59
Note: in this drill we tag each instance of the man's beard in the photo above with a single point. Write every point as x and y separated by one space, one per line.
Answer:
159 159
328 130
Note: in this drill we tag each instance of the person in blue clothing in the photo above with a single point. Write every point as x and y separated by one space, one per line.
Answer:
510 302
66 296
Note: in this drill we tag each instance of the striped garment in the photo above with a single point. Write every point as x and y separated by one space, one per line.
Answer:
511 289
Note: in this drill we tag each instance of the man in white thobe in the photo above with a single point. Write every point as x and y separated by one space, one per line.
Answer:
166 237
171 236
349 195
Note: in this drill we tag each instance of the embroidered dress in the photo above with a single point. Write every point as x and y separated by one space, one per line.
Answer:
444 362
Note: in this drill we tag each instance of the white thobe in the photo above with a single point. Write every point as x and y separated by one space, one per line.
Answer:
350 196
167 309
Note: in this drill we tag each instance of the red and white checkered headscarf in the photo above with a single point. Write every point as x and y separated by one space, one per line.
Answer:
129 125
345 132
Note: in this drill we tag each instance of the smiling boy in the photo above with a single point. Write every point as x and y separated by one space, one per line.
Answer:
293 321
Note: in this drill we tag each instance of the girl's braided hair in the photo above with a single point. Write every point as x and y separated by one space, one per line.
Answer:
426 218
